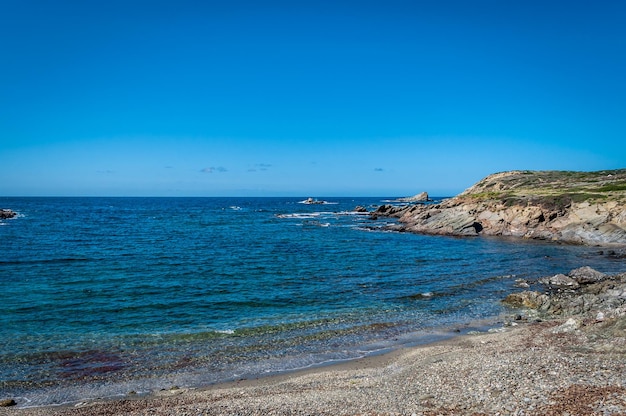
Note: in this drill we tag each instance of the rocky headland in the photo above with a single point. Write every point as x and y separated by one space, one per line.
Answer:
572 207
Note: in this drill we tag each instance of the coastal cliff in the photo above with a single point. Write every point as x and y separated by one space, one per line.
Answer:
573 207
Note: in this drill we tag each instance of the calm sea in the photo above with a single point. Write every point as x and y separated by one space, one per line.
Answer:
103 296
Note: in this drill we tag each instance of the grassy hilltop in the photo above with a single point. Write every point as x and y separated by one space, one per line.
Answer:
551 189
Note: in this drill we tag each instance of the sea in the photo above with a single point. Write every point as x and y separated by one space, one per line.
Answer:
105 297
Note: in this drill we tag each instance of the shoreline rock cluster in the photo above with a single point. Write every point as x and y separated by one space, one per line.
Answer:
590 300
581 291
571 207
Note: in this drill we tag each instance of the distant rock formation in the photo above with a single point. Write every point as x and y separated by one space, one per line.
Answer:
311 201
6 214
573 207
421 197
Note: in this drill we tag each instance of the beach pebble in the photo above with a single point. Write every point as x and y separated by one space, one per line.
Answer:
569 326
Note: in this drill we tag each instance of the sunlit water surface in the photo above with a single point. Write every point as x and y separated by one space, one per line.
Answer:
103 296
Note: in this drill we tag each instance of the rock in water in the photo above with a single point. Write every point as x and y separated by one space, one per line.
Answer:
421 197
6 214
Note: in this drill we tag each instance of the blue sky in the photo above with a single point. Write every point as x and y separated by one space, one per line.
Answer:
319 98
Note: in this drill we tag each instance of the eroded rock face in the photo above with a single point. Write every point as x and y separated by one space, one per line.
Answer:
573 207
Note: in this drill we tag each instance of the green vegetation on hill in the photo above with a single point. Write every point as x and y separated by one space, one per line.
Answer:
553 189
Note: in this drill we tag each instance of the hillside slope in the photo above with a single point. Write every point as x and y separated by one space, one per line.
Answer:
573 207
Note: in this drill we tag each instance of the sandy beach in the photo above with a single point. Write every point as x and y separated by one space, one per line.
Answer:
533 368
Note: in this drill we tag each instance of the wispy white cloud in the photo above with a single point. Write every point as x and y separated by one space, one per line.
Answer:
213 169
259 167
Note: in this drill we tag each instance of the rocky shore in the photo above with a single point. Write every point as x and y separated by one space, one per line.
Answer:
571 207
563 352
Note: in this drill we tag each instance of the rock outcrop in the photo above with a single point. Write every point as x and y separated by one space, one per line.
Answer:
582 294
573 207
6 214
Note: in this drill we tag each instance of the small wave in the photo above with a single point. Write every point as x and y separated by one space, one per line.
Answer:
354 213
225 331
424 295
235 208
316 223
300 216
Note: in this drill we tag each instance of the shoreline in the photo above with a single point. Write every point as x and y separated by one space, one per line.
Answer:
528 369
379 348
565 355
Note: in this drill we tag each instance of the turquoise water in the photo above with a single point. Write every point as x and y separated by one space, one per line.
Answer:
102 296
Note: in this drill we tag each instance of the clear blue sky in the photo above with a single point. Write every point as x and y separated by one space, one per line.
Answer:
318 98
